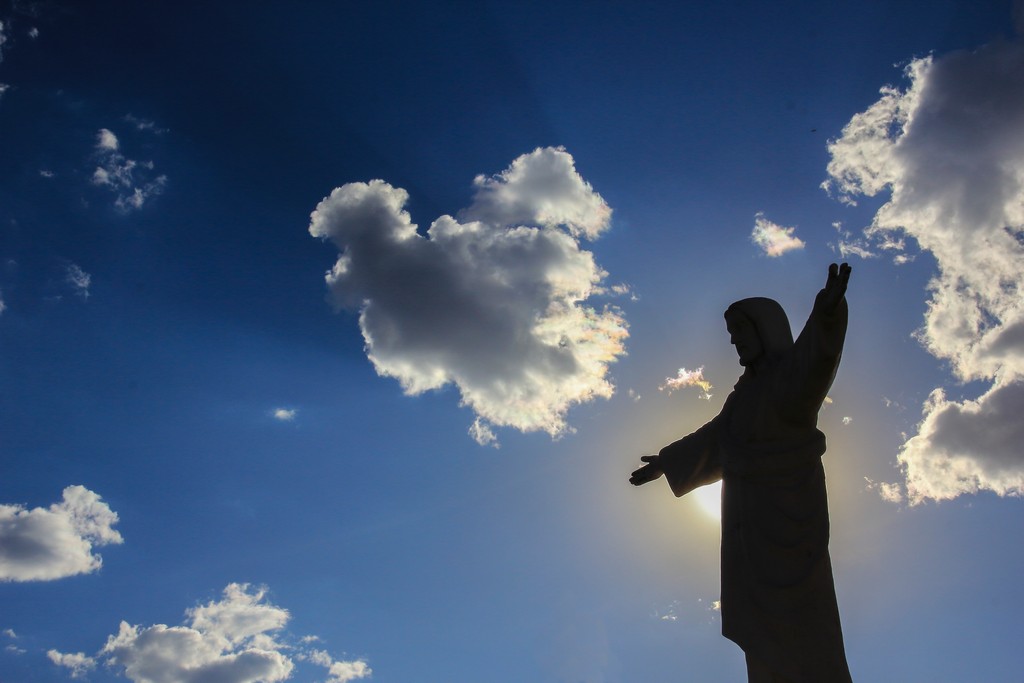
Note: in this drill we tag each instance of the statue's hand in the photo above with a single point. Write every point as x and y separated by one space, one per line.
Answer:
835 289
649 472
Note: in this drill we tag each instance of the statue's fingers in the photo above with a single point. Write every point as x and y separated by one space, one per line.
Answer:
844 272
648 458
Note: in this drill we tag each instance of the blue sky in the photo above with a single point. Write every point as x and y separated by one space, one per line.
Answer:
215 463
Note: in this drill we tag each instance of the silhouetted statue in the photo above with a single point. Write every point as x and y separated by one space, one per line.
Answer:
778 601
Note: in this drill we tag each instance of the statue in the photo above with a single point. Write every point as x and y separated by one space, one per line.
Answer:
778 600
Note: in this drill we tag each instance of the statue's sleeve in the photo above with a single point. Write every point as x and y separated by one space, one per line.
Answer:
694 460
814 361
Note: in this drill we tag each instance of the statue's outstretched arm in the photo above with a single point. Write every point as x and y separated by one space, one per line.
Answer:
688 463
649 472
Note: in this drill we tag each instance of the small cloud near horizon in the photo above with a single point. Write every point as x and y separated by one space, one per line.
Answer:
238 639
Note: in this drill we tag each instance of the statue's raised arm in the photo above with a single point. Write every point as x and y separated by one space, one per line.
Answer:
835 289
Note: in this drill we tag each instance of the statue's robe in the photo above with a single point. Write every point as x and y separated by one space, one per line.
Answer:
778 599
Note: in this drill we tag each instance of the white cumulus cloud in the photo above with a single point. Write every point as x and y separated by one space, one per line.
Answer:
43 544
494 301
132 182
949 150
774 239
78 663
237 639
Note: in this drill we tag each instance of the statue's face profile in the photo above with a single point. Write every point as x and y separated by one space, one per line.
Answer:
743 335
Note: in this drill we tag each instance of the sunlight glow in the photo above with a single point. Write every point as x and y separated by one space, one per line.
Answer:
709 499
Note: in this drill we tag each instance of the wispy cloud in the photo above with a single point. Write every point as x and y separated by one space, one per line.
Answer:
493 301
237 639
688 378
284 414
949 148
891 492
43 544
12 647
144 124
132 182
483 434
850 246
79 280
774 239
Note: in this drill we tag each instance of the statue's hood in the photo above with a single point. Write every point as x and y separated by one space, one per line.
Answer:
769 320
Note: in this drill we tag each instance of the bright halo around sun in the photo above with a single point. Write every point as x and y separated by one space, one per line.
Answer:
709 500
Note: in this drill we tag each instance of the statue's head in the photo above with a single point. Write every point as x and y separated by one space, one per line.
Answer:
759 329
743 335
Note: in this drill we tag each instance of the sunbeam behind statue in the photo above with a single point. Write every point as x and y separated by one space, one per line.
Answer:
778 598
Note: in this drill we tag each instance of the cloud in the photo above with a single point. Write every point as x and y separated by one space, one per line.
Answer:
128 179
238 639
33 33
11 647
774 239
963 447
78 664
494 301
949 149
483 434
688 378
79 279
43 544
3 306
285 414
144 124
3 39
891 492
338 672
107 141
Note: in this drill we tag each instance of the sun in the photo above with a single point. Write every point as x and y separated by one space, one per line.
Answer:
709 500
